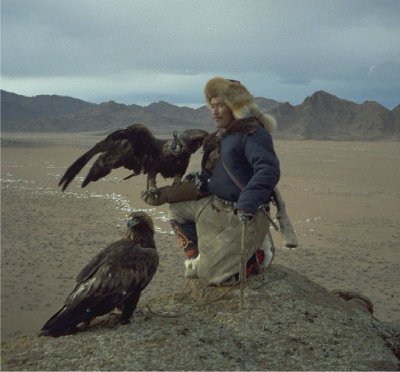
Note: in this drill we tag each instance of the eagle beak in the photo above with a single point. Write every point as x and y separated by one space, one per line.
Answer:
176 147
132 222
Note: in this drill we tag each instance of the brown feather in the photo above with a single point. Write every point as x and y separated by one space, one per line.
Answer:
113 278
136 149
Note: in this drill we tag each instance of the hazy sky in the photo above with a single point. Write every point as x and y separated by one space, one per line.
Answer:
143 51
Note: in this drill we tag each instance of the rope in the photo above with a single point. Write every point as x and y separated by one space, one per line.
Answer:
177 315
264 282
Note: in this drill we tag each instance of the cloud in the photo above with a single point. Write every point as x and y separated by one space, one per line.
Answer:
389 71
99 49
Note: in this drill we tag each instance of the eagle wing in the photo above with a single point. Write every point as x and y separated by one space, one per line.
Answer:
118 274
121 273
122 148
94 263
193 139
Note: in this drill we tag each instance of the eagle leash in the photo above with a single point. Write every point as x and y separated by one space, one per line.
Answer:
242 272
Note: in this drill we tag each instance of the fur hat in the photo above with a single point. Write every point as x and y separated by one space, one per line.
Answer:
238 99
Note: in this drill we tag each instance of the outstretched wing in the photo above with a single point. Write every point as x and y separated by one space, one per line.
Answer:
193 139
122 148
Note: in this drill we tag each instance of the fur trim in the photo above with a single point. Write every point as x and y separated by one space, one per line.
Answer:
248 125
269 251
238 99
191 267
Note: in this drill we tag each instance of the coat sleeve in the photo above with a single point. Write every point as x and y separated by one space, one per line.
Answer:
260 153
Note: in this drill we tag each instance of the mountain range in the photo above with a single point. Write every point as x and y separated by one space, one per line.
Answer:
319 116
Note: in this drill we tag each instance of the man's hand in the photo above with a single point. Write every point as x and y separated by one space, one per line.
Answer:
200 179
243 216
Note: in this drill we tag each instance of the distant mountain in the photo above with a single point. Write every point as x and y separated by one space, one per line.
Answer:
396 113
66 114
17 108
320 116
324 116
266 104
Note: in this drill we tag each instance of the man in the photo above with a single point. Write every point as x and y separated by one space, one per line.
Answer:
239 171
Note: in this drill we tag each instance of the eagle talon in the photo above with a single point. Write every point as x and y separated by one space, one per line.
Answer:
152 193
152 197
153 190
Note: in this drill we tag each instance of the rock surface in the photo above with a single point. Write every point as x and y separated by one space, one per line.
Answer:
288 323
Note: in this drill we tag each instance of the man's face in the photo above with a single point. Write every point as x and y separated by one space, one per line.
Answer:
221 113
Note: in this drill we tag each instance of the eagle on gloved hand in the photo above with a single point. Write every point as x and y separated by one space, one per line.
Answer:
136 149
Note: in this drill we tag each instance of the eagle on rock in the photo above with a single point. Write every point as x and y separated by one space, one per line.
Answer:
136 149
114 278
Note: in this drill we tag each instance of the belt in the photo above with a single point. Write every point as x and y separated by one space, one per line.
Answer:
226 202
264 207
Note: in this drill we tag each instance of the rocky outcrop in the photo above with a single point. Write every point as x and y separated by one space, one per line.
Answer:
288 323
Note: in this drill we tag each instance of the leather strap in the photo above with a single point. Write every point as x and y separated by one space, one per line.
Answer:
231 175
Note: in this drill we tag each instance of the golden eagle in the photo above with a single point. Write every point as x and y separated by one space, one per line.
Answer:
113 278
136 148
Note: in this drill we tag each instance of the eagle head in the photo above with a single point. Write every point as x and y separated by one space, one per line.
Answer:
176 146
140 228
138 218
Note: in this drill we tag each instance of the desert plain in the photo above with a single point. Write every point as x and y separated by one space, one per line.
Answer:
343 199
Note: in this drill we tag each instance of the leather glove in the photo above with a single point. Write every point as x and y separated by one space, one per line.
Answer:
181 191
200 179
243 216
154 197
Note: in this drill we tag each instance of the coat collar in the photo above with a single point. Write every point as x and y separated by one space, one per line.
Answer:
247 125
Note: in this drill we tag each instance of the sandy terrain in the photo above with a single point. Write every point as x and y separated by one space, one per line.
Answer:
343 199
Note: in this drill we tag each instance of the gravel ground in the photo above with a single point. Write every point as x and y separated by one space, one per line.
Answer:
288 323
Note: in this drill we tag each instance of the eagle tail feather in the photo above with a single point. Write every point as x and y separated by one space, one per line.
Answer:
64 322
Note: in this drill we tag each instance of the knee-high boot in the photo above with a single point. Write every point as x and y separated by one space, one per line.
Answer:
187 237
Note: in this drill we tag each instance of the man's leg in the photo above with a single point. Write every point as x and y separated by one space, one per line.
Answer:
220 235
187 237
183 218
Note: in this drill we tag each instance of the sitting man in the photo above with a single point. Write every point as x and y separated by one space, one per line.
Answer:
239 172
